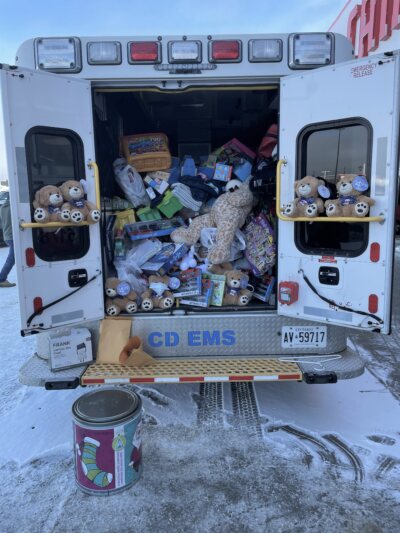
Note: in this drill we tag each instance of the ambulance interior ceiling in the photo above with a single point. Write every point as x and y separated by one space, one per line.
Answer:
196 121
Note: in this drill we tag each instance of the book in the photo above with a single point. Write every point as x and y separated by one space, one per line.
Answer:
162 262
219 281
152 228
203 300
190 283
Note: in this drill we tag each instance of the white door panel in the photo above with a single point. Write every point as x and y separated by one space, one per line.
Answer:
32 99
364 91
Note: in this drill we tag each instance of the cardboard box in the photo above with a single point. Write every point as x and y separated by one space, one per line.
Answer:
69 348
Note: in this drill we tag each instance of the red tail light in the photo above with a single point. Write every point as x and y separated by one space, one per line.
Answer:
373 303
30 257
37 304
144 52
225 51
375 252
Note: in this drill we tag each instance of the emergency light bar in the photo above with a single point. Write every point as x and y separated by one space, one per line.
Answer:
310 50
58 54
104 53
184 51
265 50
144 52
225 51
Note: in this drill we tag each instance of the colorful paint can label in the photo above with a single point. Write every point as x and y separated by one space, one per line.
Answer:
108 459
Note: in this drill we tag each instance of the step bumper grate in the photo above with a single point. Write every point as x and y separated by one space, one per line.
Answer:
194 371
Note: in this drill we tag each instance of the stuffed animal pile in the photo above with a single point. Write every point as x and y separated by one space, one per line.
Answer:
66 203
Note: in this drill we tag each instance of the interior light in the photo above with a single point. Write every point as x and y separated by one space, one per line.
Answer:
184 51
104 53
58 54
309 50
225 51
265 50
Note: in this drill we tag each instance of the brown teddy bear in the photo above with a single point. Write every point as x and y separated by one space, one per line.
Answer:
47 203
351 202
80 208
307 203
158 294
236 292
120 297
227 214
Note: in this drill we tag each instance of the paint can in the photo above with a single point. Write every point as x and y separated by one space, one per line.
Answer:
107 440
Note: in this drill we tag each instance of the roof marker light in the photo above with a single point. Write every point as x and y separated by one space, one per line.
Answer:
225 51
58 54
310 50
265 50
184 51
104 53
144 52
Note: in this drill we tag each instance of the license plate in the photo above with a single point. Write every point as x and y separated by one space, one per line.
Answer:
304 336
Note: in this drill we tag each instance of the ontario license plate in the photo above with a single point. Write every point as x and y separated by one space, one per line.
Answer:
304 336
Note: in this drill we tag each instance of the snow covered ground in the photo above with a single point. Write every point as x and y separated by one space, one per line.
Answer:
286 457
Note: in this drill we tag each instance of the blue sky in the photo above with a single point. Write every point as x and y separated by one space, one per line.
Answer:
23 19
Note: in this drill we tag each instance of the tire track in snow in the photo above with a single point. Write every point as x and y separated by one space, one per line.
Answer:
351 456
210 404
245 408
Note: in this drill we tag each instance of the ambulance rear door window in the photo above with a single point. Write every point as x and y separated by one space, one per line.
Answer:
328 150
54 156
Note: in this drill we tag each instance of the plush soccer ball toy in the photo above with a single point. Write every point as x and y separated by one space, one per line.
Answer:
350 202
47 203
227 214
236 292
74 198
158 294
120 297
307 203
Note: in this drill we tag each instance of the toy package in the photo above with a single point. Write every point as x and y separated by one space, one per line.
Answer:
155 228
190 283
147 151
263 288
165 259
218 288
222 172
203 300
260 245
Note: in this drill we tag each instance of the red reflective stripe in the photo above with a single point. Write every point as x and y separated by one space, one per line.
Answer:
375 252
373 303
30 257
92 380
191 378
37 304
289 376
241 378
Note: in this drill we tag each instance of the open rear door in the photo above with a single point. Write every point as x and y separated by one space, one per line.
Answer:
339 120
46 136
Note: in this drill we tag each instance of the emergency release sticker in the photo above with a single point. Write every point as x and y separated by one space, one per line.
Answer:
304 336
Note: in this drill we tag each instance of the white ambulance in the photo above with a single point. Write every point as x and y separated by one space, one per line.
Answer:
68 101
